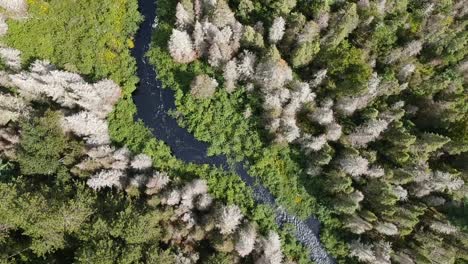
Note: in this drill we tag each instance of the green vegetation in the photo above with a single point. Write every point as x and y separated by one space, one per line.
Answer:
345 132
352 111
103 29
109 226
44 149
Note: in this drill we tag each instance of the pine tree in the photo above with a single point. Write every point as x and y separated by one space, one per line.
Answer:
277 30
141 162
184 18
109 178
344 23
157 182
362 251
246 237
203 86
271 246
228 219
89 126
181 47
11 57
230 75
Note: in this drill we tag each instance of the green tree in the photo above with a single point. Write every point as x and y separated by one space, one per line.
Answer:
347 68
103 30
44 148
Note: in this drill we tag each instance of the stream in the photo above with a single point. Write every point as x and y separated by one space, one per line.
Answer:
154 104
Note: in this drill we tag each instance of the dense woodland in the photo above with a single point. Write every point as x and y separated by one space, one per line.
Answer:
358 106
353 111
82 182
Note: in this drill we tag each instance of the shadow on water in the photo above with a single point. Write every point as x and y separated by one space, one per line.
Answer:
154 104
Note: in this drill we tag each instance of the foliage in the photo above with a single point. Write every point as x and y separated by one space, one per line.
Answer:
362 151
44 148
103 30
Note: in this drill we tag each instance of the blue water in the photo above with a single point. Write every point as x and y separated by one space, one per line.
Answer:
154 103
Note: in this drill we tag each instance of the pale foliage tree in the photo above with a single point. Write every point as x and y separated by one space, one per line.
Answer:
3 26
99 98
281 106
273 73
319 77
271 245
106 178
301 93
442 227
122 154
181 47
444 181
400 192
180 258
216 54
204 202
311 143
354 165
406 72
322 115
224 43
357 225
413 48
228 219
309 32
138 180
157 182
203 86
287 129
334 131
183 17
85 124
198 34
277 30
356 197
67 89
246 65
230 75
460 9
363 4
375 172
347 105
192 190
100 151
11 57
171 197
19 6
437 181
386 228
383 251
363 252
246 240
367 132
141 162
11 108
222 15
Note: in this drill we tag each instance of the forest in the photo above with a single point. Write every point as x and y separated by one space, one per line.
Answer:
354 112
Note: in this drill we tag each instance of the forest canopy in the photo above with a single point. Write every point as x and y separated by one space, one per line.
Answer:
351 112
355 112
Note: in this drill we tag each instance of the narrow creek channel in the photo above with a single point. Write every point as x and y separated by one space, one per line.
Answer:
154 103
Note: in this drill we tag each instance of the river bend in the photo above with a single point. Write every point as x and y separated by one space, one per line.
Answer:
154 104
